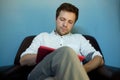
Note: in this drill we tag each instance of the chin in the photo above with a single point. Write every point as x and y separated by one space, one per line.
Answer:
64 34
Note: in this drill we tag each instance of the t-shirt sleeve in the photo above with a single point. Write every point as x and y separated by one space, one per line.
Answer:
87 48
33 48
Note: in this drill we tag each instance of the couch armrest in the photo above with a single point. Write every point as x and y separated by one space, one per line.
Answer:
105 72
109 72
15 72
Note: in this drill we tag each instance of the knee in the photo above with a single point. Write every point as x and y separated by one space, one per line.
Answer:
67 51
66 48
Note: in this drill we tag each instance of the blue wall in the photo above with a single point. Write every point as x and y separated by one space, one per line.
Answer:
20 18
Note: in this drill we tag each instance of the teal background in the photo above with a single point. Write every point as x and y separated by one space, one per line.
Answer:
21 18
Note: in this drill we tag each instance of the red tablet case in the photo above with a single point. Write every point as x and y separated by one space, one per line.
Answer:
43 51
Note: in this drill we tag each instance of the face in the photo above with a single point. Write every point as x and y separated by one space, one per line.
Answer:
65 22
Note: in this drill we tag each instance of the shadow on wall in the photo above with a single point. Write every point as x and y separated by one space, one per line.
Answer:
78 29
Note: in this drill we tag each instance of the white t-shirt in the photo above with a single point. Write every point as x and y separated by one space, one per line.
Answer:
76 41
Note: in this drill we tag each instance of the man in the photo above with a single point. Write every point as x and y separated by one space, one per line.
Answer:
63 63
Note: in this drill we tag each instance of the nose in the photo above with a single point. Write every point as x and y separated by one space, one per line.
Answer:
65 24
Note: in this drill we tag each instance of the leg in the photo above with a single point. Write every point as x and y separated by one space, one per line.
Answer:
68 67
62 63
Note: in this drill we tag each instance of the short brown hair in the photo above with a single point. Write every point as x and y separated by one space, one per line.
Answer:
67 7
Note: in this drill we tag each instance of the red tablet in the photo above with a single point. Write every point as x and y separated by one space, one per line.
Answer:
43 51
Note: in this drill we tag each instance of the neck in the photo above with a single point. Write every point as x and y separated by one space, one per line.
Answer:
60 34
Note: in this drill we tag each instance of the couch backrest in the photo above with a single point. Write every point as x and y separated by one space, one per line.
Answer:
27 41
94 42
24 45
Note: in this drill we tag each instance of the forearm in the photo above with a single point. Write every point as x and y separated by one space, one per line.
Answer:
29 59
94 63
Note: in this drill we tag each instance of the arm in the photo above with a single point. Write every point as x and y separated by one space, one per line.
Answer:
94 63
28 59
95 60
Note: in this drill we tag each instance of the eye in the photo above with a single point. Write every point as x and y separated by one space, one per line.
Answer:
62 19
71 22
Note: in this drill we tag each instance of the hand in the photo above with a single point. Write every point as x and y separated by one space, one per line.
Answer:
94 63
28 59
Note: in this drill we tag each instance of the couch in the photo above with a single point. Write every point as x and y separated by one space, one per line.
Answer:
18 72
